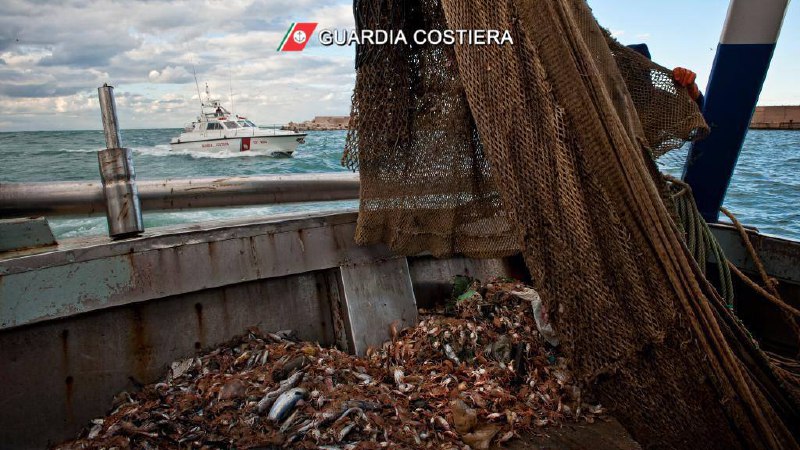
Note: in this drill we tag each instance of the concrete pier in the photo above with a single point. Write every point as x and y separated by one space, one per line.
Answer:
776 118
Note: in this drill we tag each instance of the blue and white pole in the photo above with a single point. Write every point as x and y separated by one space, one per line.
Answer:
740 67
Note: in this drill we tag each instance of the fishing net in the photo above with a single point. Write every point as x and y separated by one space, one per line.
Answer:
546 147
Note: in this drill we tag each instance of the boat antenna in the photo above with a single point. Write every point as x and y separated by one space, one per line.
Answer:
197 85
230 85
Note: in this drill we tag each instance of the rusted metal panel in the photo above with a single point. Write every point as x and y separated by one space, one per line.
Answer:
79 279
56 376
765 321
377 295
61 291
25 233
93 247
781 257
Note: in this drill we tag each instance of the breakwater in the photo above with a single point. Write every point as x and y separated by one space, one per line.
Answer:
320 123
776 118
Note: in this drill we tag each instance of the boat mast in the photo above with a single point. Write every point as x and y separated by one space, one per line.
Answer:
740 67
230 85
197 85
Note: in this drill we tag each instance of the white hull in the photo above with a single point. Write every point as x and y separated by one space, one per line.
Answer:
270 145
218 130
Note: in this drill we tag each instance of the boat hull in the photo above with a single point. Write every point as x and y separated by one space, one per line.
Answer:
278 145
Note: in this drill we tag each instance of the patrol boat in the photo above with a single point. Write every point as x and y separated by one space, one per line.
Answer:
218 130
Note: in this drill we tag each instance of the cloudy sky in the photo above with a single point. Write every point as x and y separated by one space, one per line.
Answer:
54 54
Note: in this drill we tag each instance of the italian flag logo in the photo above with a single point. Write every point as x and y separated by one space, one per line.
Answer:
297 36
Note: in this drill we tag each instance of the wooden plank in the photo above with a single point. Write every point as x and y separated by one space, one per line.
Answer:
376 295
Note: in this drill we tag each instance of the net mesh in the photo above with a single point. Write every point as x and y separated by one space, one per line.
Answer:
546 147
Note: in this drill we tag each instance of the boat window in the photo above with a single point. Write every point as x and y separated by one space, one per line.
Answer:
246 124
214 126
231 124
250 124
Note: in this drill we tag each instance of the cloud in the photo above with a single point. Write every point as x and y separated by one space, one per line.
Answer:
170 74
53 57
617 33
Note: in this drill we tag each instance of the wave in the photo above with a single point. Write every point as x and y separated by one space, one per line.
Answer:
74 150
165 150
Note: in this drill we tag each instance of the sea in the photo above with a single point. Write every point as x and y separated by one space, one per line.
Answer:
764 192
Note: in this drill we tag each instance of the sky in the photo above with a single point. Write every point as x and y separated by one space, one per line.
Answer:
54 54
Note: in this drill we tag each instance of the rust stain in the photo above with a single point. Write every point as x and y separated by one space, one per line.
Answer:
254 256
68 394
201 332
226 318
70 387
141 350
65 346
211 248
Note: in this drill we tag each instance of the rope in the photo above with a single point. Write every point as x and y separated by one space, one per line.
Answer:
770 282
699 239
763 292
771 292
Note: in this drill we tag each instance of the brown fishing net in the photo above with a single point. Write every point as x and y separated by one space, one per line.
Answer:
545 147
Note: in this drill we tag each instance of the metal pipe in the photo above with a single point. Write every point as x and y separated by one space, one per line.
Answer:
87 198
108 113
740 66
123 211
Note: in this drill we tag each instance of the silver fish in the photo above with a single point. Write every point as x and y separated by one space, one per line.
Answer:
285 403
266 402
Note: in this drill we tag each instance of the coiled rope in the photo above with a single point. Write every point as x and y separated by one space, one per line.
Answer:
701 242
699 239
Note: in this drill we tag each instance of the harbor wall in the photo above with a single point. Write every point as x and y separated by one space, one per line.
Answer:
320 123
776 118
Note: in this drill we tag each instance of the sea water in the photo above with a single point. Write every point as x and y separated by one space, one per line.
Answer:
764 192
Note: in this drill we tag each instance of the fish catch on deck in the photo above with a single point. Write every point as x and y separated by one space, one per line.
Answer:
474 372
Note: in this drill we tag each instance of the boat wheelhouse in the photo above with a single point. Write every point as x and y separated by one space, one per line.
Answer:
219 130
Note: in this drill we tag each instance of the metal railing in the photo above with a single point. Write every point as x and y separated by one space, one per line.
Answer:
87 198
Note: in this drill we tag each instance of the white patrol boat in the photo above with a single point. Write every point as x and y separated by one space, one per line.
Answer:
218 130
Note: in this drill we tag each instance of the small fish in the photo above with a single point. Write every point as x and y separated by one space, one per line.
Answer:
345 431
364 378
451 355
288 423
266 402
285 403
399 377
264 357
290 367
242 358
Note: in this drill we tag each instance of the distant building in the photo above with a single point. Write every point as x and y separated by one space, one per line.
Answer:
320 123
776 118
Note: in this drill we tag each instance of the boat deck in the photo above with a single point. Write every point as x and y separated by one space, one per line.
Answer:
90 317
